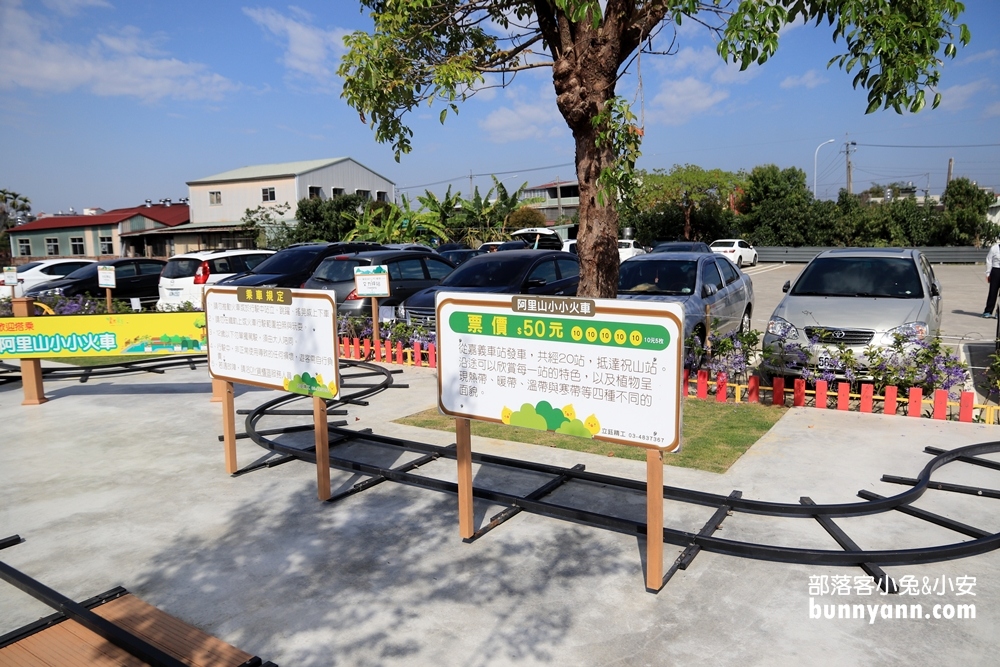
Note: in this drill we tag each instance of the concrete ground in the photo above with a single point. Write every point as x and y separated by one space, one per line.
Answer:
121 482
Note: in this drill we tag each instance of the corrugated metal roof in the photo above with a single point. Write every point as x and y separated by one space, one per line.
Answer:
170 216
268 171
192 228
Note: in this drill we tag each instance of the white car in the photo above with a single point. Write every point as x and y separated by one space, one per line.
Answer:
628 248
42 271
184 277
737 251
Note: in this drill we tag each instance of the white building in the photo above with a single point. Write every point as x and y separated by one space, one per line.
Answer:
225 197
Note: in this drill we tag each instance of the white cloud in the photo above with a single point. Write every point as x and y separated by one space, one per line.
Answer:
110 65
956 98
309 51
993 110
71 7
730 73
526 117
680 100
809 80
983 55
698 60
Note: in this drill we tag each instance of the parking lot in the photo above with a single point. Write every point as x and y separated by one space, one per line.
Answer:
962 324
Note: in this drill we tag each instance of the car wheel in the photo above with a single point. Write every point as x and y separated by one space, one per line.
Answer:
739 262
745 321
754 263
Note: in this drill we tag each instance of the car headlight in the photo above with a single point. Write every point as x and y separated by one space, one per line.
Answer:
911 330
782 328
56 291
400 312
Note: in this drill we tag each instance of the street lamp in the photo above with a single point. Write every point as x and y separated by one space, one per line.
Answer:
815 157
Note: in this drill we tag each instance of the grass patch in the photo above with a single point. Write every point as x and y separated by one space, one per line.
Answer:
713 435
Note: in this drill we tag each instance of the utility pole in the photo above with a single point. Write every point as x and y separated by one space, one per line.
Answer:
951 169
849 147
470 183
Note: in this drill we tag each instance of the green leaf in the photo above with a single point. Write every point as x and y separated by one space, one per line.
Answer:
444 114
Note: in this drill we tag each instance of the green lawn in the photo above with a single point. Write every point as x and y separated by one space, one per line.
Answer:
713 435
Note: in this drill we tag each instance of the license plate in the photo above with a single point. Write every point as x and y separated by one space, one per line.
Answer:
828 364
173 292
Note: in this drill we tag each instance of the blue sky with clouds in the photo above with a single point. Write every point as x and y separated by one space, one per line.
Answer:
110 102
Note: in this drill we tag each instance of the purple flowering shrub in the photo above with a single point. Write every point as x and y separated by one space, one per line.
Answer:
914 362
389 332
70 305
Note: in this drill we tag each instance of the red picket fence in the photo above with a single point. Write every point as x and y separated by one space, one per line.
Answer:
940 407
368 350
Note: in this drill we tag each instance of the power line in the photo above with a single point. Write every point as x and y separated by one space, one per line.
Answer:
932 146
492 173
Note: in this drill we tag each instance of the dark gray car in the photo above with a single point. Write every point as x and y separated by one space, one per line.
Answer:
409 272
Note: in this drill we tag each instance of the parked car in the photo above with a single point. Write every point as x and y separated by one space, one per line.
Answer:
570 246
184 277
451 246
628 248
292 266
419 247
459 255
738 251
682 246
853 297
409 272
514 272
538 238
137 278
490 246
42 271
696 281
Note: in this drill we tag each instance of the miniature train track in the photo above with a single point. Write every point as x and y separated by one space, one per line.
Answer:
10 373
377 379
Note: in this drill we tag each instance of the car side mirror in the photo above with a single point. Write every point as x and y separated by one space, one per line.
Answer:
935 289
534 282
709 290
787 286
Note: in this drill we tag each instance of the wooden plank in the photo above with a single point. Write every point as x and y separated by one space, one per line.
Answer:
321 428
463 454
654 519
229 427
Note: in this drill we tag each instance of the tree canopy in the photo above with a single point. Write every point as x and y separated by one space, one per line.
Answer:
426 51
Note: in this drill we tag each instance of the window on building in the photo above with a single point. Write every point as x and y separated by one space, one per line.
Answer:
76 245
51 246
24 247
315 192
364 193
267 194
380 195
107 246
336 192
214 198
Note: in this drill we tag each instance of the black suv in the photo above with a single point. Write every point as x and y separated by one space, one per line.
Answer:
292 266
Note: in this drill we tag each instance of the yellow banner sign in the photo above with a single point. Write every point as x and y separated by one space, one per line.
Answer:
102 335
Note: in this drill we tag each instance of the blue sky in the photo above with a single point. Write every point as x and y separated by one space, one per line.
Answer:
110 102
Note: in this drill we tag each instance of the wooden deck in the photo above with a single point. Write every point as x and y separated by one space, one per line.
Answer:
68 644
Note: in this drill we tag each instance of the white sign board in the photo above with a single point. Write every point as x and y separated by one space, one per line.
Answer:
10 276
594 368
371 281
273 337
106 276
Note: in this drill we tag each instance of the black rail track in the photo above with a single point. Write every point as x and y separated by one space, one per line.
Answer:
10 373
694 541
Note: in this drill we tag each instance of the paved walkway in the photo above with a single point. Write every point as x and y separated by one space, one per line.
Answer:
121 482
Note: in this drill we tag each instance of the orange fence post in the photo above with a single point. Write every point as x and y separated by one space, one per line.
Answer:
799 393
418 357
357 349
753 389
941 404
867 391
399 352
889 406
685 385
843 395
702 384
432 355
821 394
368 347
965 406
916 396
721 390
778 391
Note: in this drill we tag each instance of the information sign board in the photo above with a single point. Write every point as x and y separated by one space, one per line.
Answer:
279 338
371 281
593 368
10 276
106 276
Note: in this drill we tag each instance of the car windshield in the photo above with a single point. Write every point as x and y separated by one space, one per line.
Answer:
723 244
181 267
624 244
289 260
88 271
678 247
661 277
29 265
886 277
337 270
497 271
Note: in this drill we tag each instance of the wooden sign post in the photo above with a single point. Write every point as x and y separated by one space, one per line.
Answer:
372 281
31 369
612 372
302 361
106 278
